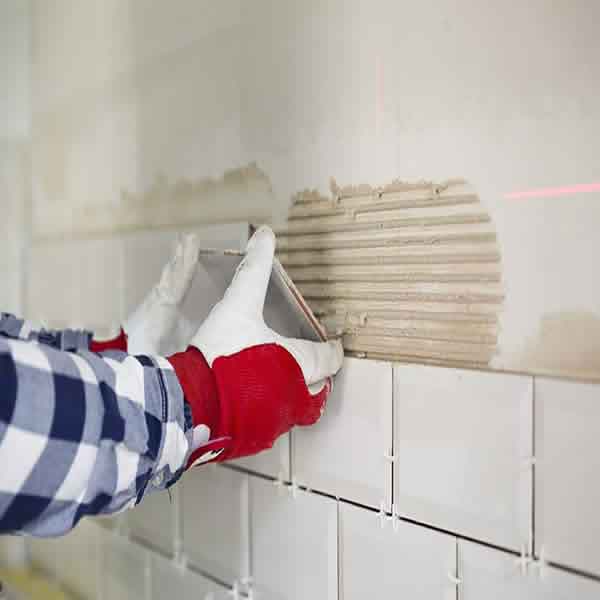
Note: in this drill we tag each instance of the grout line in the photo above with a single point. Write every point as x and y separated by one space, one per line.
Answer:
197 571
247 471
411 521
456 567
62 237
153 548
454 534
393 464
250 532
574 571
290 454
533 466
194 569
339 551
150 550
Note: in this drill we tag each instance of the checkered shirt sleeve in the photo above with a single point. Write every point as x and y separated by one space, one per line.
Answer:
67 339
83 433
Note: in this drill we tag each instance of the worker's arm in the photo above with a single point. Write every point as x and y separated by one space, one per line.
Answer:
86 433
83 434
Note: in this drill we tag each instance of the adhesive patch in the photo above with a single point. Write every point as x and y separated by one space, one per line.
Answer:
405 271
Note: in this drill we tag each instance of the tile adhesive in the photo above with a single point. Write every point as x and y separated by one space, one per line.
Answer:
406 271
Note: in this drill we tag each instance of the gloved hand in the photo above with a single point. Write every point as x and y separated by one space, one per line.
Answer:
158 319
246 384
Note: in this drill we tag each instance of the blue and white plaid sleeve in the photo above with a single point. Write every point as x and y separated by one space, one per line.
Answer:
67 339
83 434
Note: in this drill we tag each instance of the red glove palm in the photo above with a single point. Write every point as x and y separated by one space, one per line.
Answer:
246 384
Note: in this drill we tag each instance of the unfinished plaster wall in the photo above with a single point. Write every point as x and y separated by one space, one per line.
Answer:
135 105
14 146
502 94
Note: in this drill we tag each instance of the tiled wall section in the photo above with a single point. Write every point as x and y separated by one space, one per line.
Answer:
462 503
419 482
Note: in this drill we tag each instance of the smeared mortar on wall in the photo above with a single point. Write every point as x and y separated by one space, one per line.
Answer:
241 194
405 271
567 344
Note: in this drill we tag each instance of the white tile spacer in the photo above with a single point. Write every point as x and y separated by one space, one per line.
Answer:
180 561
540 564
293 488
382 515
528 462
279 484
524 560
453 578
389 457
395 518
245 586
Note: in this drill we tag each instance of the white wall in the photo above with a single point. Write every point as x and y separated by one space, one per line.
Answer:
136 103
14 139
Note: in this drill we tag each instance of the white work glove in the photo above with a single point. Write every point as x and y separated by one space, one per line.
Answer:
157 325
237 321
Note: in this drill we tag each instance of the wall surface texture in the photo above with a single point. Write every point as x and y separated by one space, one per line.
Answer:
147 117
14 146
139 109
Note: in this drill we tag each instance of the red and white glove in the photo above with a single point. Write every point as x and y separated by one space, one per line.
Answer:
157 321
246 384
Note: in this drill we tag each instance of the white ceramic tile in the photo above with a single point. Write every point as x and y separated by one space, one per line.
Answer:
272 463
76 283
144 256
153 520
398 560
344 453
567 421
45 553
51 293
462 440
99 281
13 551
112 522
169 580
495 575
71 560
294 544
215 521
124 569
77 569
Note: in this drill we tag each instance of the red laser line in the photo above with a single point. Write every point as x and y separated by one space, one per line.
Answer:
552 192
